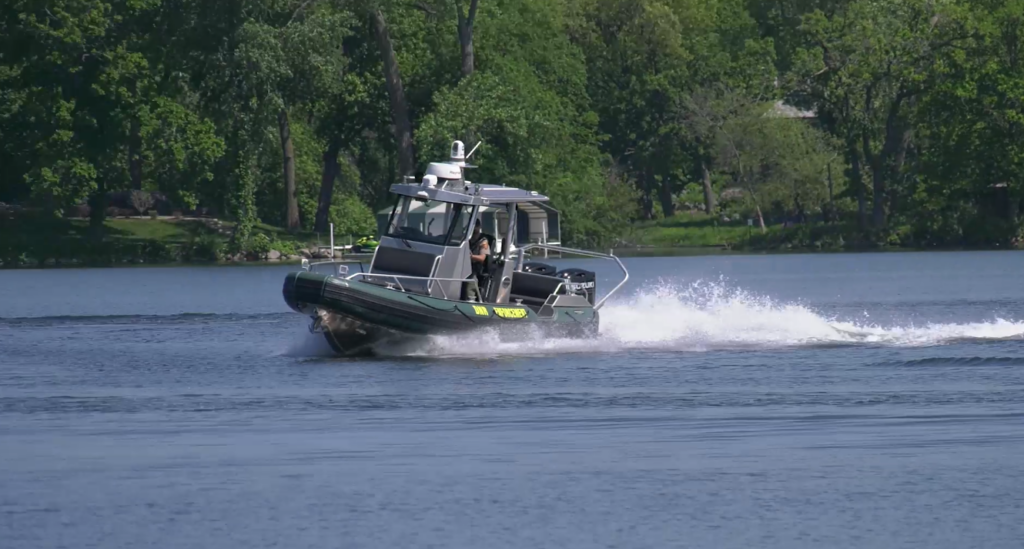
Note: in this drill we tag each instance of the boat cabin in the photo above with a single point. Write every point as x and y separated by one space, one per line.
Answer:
425 242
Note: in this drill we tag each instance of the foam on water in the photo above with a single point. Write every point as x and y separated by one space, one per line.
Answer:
702 316
710 316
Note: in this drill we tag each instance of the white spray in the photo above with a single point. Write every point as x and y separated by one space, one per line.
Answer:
706 316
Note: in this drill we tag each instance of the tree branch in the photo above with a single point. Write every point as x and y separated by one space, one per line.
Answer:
300 9
422 6
472 13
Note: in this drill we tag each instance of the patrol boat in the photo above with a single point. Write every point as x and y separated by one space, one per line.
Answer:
415 283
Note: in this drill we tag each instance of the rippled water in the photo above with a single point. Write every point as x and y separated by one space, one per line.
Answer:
871 400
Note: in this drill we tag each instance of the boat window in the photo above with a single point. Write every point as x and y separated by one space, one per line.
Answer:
429 221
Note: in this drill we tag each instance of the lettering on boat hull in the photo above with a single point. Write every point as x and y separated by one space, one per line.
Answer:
510 313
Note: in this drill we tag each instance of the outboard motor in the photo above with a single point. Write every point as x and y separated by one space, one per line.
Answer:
580 281
538 268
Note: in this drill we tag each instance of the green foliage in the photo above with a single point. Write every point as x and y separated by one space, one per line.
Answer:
351 217
259 245
285 247
205 247
619 110
154 251
181 150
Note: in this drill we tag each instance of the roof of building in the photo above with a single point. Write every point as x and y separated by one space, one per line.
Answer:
781 110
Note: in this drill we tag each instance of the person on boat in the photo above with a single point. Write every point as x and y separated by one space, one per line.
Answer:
479 249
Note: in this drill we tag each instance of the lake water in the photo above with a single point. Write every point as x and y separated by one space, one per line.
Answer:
841 401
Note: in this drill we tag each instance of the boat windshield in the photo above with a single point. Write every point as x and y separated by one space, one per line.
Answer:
429 221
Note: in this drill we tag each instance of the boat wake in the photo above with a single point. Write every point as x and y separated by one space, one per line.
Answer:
707 316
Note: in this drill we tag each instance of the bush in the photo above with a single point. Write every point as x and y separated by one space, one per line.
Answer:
285 247
154 251
259 245
206 247
351 217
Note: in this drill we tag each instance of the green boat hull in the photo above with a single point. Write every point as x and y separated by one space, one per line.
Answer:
358 317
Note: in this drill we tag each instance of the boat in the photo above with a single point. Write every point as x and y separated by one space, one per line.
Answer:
364 244
415 283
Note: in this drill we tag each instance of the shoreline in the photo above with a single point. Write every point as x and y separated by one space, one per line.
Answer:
165 242
631 252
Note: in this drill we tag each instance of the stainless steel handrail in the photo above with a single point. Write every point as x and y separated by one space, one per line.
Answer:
307 266
410 277
625 273
560 288
519 265
433 271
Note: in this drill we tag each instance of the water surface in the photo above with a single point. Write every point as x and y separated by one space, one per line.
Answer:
867 400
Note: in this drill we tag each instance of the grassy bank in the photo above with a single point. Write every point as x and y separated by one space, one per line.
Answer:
33 242
700 231
688 231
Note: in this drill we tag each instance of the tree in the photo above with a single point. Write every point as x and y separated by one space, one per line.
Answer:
525 103
300 113
867 65
94 98
970 185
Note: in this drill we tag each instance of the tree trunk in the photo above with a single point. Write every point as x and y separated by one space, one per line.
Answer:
668 207
135 155
466 36
646 200
757 209
874 162
879 191
288 157
330 173
882 164
857 177
98 209
466 47
396 94
901 158
709 193
831 197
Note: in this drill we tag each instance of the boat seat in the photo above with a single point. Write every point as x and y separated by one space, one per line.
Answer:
405 262
533 289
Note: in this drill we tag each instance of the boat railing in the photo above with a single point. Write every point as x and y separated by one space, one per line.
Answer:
342 265
398 278
562 249
561 289
342 270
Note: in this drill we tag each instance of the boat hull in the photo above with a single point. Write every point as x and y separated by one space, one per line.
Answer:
358 317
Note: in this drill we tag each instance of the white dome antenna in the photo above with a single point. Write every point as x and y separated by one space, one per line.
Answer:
458 153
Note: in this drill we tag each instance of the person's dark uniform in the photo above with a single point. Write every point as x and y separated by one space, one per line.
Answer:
479 249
